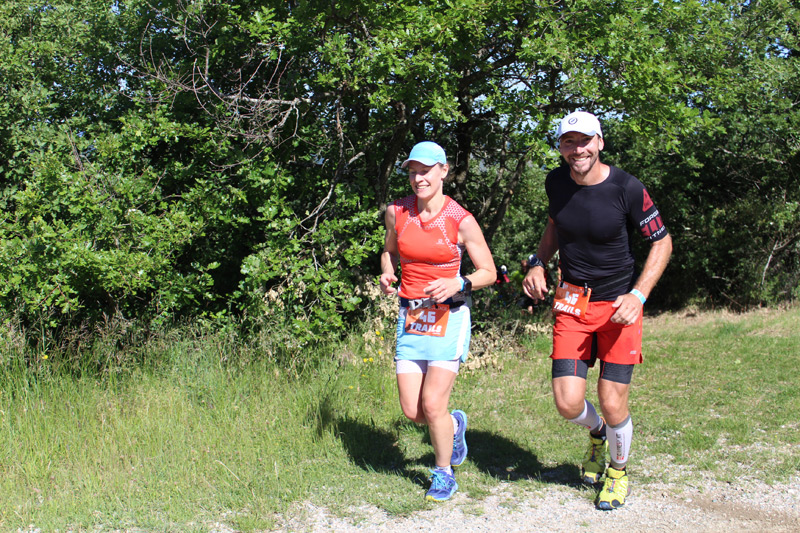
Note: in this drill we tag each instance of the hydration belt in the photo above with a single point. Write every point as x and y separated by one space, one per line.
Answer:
418 303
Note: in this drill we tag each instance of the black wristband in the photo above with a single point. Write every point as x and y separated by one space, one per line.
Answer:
467 285
534 261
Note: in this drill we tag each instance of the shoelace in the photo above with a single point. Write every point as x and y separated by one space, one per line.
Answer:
594 449
613 487
439 480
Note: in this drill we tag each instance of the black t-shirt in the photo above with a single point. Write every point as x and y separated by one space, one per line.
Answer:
595 224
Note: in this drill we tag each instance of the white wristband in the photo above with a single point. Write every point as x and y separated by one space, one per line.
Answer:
639 295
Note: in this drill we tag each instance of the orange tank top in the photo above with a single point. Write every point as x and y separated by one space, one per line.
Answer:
428 250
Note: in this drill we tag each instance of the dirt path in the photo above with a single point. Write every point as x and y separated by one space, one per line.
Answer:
711 507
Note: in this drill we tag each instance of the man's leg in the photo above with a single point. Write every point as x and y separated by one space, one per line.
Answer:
574 351
614 405
619 432
569 391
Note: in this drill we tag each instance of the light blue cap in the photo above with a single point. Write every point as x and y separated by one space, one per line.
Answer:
428 153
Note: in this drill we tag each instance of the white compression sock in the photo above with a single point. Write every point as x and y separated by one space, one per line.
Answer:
619 442
588 418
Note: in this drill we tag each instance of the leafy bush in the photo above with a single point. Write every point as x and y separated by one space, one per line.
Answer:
224 160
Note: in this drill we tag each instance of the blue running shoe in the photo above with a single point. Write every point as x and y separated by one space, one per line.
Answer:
443 486
459 439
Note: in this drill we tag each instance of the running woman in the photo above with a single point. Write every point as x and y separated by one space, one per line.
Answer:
427 234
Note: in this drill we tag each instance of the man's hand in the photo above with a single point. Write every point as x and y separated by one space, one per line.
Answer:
535 285
628 307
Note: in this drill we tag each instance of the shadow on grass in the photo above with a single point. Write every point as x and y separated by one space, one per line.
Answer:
504 459
377 450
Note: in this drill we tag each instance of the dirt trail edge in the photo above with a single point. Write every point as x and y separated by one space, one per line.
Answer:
707 506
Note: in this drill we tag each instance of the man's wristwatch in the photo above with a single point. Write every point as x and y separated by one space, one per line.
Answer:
534 261
467 285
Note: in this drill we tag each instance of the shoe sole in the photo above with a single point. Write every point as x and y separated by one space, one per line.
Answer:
589 480
466 450
609 506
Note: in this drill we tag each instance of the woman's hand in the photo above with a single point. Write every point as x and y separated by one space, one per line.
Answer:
443 288
386 283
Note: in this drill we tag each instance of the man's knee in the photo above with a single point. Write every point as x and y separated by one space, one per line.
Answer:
569 394
614 411
613 403
569 409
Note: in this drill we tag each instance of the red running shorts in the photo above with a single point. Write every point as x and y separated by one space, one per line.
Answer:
615 343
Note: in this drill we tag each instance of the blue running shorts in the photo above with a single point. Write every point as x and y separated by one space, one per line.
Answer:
453 345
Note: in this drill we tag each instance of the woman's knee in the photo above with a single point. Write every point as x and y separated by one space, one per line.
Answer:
413 413
433 407
412 409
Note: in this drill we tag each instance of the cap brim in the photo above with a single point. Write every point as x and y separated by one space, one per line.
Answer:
424 160
590 133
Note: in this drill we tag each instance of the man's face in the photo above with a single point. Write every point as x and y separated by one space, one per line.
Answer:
580 151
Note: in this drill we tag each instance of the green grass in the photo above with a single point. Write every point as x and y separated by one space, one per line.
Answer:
724 387
187 441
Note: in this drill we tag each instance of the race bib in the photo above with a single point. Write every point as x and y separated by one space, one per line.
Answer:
571 299
428 320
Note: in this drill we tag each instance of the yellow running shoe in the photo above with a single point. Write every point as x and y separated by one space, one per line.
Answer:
594 462
615 489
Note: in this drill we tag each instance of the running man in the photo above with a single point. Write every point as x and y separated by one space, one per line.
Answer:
594 209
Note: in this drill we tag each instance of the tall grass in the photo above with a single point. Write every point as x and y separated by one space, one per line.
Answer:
192 436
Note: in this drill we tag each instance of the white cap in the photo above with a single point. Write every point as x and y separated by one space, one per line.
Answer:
579 121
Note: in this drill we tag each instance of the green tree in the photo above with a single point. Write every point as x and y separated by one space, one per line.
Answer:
169 158
729 188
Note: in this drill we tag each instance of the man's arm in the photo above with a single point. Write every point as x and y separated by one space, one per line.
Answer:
629 305
535 282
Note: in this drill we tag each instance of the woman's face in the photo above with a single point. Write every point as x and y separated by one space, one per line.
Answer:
426 181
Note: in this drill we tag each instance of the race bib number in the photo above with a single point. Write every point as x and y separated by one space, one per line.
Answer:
571 299
428 321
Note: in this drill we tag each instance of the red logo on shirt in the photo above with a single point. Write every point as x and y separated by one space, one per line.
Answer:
648 203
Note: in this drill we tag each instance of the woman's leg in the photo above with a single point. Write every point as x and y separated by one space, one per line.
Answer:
434 401
409 388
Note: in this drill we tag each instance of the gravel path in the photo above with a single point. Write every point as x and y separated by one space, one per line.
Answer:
711 507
